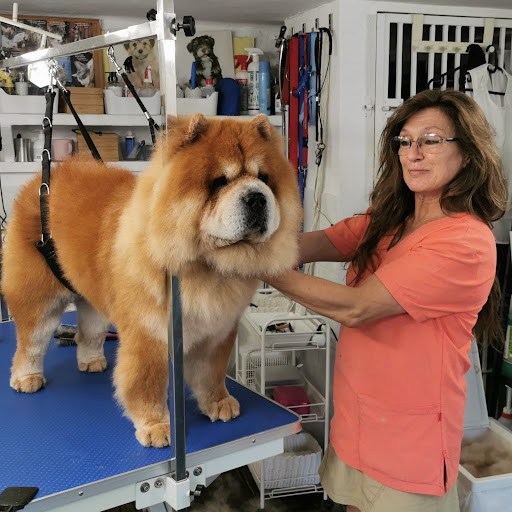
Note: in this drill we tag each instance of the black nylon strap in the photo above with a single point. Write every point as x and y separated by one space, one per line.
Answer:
83 129
151 121
46 245
47 249
46 163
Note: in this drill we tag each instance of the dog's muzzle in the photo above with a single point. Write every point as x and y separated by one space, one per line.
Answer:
256 211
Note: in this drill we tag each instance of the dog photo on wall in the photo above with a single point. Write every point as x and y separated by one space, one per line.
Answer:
212 53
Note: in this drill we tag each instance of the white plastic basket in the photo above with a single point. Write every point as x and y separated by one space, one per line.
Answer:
115 104
206 106
297 466
29 104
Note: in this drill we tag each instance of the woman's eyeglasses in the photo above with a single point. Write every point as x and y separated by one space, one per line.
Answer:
427 144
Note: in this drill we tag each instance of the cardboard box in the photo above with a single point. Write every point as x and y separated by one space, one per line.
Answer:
85 100
492 492
107 145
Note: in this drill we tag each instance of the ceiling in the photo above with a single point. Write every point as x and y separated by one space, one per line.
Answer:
233 11
230 11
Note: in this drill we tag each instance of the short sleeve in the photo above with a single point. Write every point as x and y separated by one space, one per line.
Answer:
449 271
347 234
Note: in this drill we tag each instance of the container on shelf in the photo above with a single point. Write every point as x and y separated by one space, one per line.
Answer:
85 100
205 106
115 104
107 145
297 466
490 492
30 104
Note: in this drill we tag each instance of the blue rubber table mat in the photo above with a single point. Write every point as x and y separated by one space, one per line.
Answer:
72 432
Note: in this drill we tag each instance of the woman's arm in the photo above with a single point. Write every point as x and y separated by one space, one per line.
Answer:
344 304
315 246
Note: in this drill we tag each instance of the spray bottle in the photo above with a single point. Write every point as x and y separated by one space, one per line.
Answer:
242 79
253 69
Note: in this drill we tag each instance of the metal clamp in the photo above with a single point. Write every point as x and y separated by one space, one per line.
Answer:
49 122
119 69
44 185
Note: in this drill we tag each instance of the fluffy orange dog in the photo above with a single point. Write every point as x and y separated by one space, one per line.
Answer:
217 206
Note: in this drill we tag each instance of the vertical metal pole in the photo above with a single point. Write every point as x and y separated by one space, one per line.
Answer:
175 331
166 35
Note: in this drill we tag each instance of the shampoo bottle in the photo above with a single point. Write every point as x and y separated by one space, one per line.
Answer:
253 92
242 79
264 88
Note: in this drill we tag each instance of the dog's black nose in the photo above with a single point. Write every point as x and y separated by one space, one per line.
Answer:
256 201
255 211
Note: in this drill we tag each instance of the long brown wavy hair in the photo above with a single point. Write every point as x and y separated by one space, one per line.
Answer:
480 190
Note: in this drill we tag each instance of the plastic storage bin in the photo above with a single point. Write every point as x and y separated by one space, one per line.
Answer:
115 104
297 466
206 106
294 397
488 493
31 104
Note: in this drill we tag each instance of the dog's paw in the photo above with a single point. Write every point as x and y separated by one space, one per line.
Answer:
95 365
28 384
158 435
225 409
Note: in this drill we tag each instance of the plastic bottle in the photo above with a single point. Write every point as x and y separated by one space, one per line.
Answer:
253 102
242 79
21 85
147 89
38 147
506 415
264 88
208 89
9 86
113 83
129 143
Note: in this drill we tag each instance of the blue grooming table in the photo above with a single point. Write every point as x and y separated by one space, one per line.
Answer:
71 440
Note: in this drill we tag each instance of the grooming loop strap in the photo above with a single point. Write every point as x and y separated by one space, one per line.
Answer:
46 245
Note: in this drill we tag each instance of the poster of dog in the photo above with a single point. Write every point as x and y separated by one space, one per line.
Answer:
212 52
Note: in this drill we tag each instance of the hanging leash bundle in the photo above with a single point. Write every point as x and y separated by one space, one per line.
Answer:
121 71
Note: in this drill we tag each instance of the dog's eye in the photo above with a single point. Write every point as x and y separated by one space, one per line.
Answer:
263 177
218 183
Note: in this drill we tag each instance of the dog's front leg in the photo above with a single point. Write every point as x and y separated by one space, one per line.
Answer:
141 379
205 372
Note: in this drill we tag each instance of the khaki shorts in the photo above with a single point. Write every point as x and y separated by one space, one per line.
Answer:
350 486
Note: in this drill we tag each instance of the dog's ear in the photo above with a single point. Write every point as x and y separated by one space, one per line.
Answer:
126 46
191 47
152 42
262 124
197 126
187 129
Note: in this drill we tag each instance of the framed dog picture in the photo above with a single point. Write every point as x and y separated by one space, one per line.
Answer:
136 56
81 70
212 52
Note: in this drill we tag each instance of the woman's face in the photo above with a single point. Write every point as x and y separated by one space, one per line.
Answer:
426 174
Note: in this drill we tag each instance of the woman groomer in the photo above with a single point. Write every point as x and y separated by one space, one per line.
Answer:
420 284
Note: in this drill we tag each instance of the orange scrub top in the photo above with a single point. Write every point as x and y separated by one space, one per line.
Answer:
399 386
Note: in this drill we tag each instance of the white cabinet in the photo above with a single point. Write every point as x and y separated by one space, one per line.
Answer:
271 338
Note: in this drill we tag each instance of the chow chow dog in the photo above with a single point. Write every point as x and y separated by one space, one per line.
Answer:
218 206
207 63
143 54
